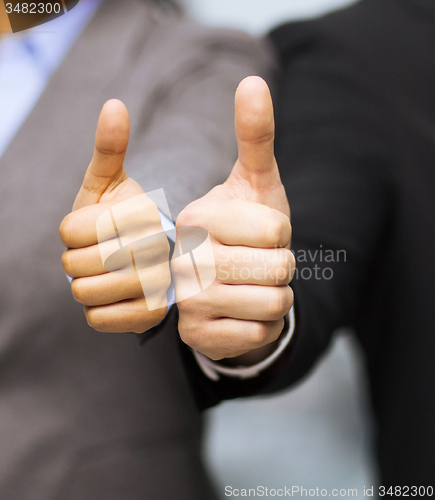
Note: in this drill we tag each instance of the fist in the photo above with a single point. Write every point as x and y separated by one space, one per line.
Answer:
117 249
241 314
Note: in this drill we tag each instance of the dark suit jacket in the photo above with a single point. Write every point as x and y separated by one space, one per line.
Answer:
356 148
85 415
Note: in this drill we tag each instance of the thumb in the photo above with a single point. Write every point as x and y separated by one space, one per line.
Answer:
106 169
255 132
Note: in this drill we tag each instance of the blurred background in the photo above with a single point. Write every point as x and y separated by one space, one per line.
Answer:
258 16
320 433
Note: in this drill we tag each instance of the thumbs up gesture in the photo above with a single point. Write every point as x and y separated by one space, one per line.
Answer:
248 221
110 215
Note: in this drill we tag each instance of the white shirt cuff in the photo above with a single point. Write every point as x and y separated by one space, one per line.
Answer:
213 370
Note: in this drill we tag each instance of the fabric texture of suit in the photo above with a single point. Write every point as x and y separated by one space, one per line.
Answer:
356 147
85 415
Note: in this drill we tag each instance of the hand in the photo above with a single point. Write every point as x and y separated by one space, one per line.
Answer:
248 220
138 251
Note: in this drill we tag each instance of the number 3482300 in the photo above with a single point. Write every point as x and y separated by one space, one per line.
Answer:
34 8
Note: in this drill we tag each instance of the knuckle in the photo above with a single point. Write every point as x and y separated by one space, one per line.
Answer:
66 262
273 230
79 291
258 334
65 230
283 267
277 230
94 319
288 266
280 302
